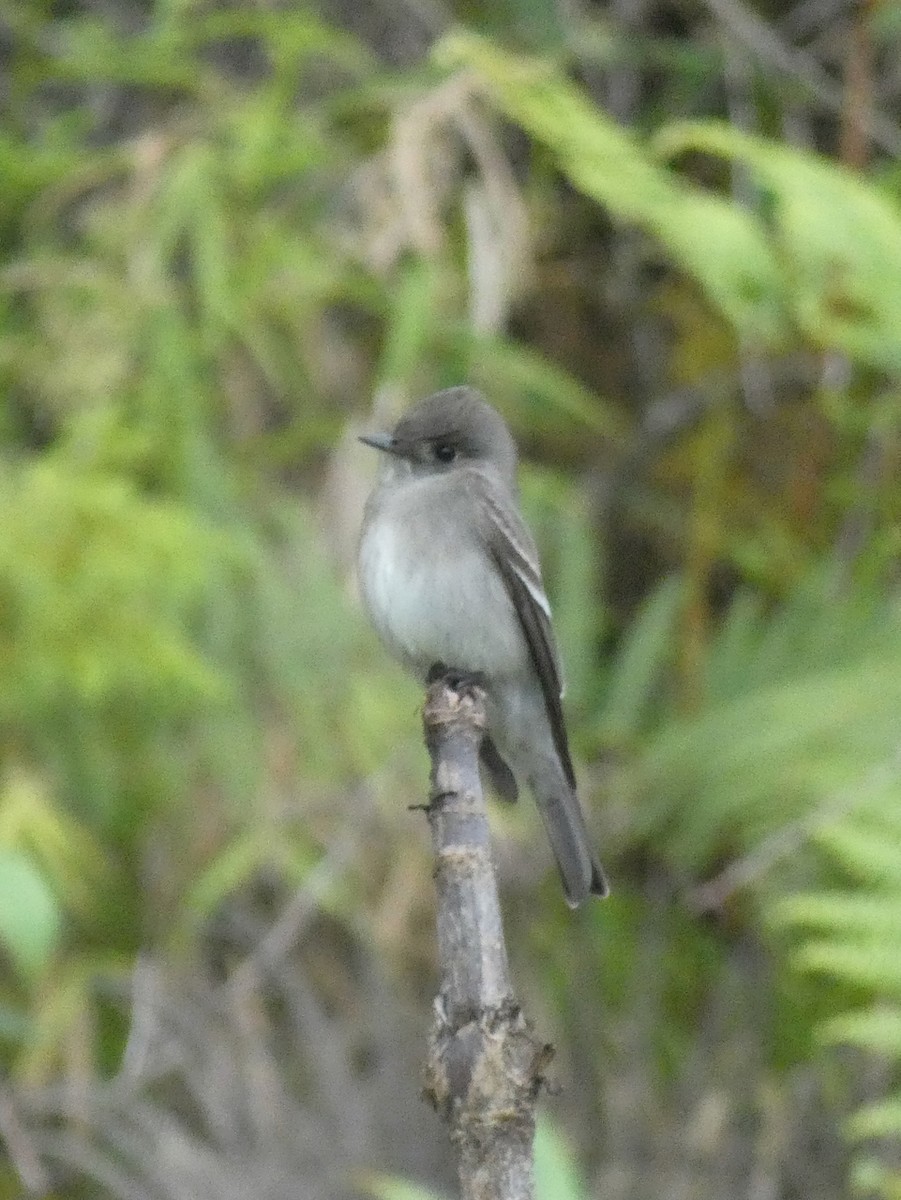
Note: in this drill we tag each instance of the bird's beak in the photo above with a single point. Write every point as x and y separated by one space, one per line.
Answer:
382 441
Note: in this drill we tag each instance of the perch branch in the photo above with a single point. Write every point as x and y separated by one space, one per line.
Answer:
485 1067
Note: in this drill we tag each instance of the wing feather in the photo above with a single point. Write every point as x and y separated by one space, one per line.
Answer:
514 552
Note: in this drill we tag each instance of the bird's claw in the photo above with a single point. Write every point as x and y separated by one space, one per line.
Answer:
459 681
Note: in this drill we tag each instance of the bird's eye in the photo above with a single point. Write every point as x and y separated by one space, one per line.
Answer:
445 452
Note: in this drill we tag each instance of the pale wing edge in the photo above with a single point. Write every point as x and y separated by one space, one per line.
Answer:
522 580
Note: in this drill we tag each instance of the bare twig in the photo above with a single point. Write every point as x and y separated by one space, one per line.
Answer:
764 42
485 1067
294 919
20 1147
854 143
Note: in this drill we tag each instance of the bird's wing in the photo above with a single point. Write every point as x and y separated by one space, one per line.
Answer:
513 550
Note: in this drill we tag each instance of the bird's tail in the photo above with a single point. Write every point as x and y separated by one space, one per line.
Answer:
564 821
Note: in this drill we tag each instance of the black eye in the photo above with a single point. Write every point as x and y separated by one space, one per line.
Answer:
445 452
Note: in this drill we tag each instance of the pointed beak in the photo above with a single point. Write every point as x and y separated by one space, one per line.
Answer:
381 441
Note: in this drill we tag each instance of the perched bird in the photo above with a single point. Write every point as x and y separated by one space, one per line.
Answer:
449 575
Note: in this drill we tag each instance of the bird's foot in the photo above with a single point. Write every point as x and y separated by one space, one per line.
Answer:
458 680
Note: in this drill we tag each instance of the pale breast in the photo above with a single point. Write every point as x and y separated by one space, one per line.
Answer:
432 593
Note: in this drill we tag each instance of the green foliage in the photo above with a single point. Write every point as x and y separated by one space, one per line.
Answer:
732 261
85 624
30 920
556 1170
825 253
851 938
387 1187
791 766
798 706
629 700
209 265
837 238
151 609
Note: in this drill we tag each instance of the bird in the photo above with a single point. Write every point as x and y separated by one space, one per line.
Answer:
449 575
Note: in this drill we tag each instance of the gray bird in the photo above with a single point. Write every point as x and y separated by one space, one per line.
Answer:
449 574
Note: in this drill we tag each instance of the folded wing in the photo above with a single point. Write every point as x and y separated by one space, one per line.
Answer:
514 552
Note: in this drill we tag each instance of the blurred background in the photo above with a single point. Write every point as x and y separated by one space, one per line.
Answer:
665 239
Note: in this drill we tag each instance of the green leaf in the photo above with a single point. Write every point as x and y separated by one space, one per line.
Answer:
869 915
30 917
228 871
877 1120
391 1187
723 246
557 1174
870 1177
837 235
640 663
415 314
874 964
869 851
877 1029
537 24
542 397
88 48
